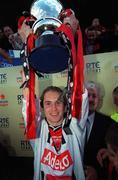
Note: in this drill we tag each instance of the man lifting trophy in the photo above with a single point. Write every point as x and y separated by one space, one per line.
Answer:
53 43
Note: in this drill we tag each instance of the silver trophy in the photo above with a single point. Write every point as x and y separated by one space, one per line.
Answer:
47 14
49 53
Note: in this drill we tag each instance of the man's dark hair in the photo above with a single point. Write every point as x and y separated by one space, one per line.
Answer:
115 90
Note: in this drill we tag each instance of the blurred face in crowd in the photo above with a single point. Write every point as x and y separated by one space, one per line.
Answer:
115 99
53 108
91 35
93 98
7 31
95 22
113 156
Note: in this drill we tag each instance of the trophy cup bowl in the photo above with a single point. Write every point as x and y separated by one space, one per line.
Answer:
49 54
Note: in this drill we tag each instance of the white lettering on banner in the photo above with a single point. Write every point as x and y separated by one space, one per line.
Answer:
57 161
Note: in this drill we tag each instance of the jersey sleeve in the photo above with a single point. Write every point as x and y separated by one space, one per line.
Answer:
38 114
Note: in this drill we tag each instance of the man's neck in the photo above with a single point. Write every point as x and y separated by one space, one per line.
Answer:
54 125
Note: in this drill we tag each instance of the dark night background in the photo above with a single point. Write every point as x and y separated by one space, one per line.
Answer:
85 10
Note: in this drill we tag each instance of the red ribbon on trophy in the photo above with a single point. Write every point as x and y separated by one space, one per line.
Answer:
65 41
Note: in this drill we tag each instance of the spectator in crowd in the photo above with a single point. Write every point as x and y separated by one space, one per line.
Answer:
2 51
115 101
114 36
7 30
108 157
6 45
100 29
97 125
11 40
16 41
96 25
91 42
101 36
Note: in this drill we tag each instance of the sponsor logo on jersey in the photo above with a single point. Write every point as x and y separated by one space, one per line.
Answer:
58 162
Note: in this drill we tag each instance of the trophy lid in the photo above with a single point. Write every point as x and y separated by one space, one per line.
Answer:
41 9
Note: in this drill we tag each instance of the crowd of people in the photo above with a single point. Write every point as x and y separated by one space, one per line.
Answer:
97 38
9 40
76 152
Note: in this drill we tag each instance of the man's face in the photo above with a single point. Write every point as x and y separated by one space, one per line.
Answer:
115 99
93 99
53 108
7 31
113 157
91 35
95 22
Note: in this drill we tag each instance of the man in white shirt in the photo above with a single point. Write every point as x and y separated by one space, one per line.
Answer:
57 153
